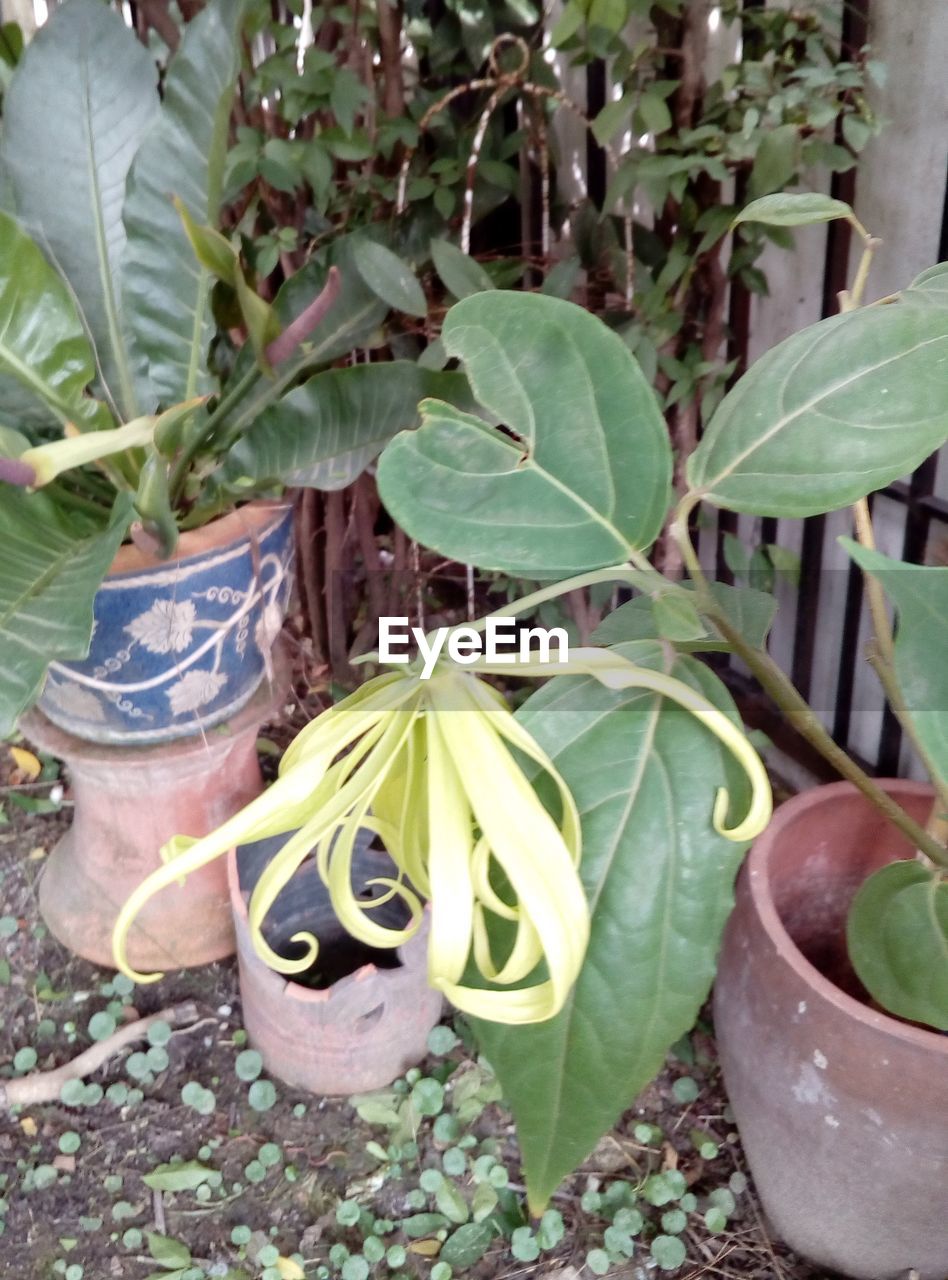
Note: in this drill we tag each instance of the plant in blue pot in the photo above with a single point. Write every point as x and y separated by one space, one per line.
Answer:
123 446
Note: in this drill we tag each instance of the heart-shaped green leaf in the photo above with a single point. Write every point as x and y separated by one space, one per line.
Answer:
898 941
579 479
920 593
658 879
830 415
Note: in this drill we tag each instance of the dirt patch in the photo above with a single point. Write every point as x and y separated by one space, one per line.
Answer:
278 1162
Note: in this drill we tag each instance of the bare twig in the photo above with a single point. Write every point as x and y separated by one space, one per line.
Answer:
45 1086
159 1208
389 17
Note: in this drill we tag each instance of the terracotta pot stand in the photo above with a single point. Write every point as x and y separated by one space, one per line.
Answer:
843 1110
360 1032
128 802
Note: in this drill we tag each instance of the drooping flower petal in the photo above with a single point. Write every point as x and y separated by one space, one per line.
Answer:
449 862
297 800
529 849
429 766
616 672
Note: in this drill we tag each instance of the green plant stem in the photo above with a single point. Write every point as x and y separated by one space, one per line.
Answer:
850 299
796 709
241 396
874 593
639 573
197 439
803 719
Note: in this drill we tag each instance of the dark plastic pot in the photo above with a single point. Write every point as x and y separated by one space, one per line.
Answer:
363 1017
842 1110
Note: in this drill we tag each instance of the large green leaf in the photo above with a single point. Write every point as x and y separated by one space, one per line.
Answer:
659 882
920 593
325 432
46 361
828 416
586 479
50 570
75 114
166 291
897 935
930 288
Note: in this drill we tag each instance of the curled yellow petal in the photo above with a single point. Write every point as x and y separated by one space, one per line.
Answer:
302 797
616 672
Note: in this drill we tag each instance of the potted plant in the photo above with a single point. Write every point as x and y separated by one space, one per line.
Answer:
145 462
108 325
579 856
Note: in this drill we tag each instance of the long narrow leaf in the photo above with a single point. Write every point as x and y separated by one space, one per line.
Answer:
328 430
73 118
49 572
46 361
167 292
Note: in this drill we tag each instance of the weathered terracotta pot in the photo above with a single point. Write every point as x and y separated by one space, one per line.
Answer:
842 1110
127 802
180 645
363 1029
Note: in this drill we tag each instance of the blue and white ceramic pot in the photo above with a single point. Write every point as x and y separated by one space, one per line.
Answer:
180 645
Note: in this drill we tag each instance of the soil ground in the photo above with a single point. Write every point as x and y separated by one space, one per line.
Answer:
76 1206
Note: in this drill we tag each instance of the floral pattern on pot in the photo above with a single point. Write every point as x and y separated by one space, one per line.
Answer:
181 645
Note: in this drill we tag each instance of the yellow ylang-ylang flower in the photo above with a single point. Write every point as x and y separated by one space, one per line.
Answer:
428 766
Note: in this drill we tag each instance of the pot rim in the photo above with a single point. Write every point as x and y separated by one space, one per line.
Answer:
256 515
758 883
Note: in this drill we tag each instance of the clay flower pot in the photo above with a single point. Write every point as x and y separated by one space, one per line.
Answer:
843 1110
180 645
363 1017
128 801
